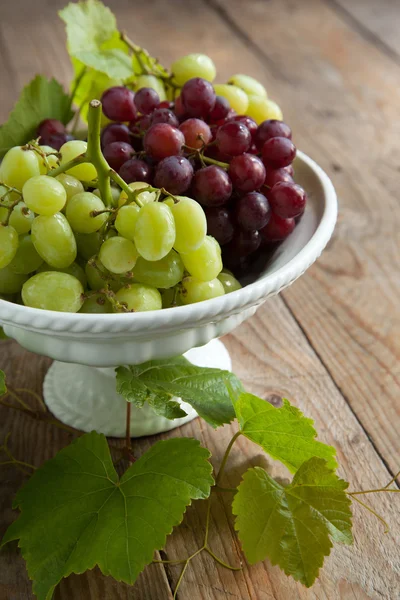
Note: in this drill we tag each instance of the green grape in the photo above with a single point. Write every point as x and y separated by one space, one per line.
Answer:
236 97
139 298
97 304
261 109
8 244
126 220
18 166
10 282
193 65
154 233
44 195
193 290
88 244
21 218
170 297
69 151
152 82
75 270
118 255
205 263
164 273
26 259
98 277
52 290
71 185
144 197
3 215
115 193
190 224
79 213
54 240
52 159
249 85
230 283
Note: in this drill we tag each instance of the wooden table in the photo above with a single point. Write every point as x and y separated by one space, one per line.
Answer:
331 342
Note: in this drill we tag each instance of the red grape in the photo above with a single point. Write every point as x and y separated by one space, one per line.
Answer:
274 175
278 152
115 132
248 122
233 138
52 133
198 97
252 211
166 104
287 199
117 153
269 129
219 224
277 229
135 170
174 173
196 132
241 246
247 172
146 100
163 140
179 109
118 104
212 186
164 115
220 110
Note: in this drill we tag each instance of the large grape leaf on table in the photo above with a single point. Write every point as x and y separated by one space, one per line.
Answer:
76 513
293 525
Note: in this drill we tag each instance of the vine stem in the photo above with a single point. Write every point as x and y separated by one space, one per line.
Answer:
226 456
94 153
128 425
371 510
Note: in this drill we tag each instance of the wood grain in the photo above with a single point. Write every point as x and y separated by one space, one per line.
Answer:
329 346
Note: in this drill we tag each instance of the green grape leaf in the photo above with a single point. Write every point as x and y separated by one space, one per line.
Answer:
40 99
3 387
284 433
203 388
76 513
292 525
93 39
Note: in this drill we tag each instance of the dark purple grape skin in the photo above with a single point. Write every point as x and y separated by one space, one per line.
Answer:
174 174
233 138
271 128
198 97
278 152
247 172
57 140
248 122
252 211
117 153
240 247
212 186
118 104
272 176
288 200
162 140
135 169
52 133
219 224
146 100
277 229
220 110
164 115
115 132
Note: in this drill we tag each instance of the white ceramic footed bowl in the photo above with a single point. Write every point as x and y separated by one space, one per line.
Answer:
133 338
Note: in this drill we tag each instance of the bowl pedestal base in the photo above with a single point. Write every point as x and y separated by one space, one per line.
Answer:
85 397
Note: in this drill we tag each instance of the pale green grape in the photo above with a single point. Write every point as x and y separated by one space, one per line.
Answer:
18 166
236 97
115 193
118 255
230 283
21 218
152 82
98 277
26 259
71 185
144 197
52 290
54 240
3 215
69 151
193 290
88 244
97 304
190 224
75 270
79 212
261 109
52 159
205 263
193 65
164 273
154 233
126 220
249 85
44 195
10 282
8 244
170 297
138 297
